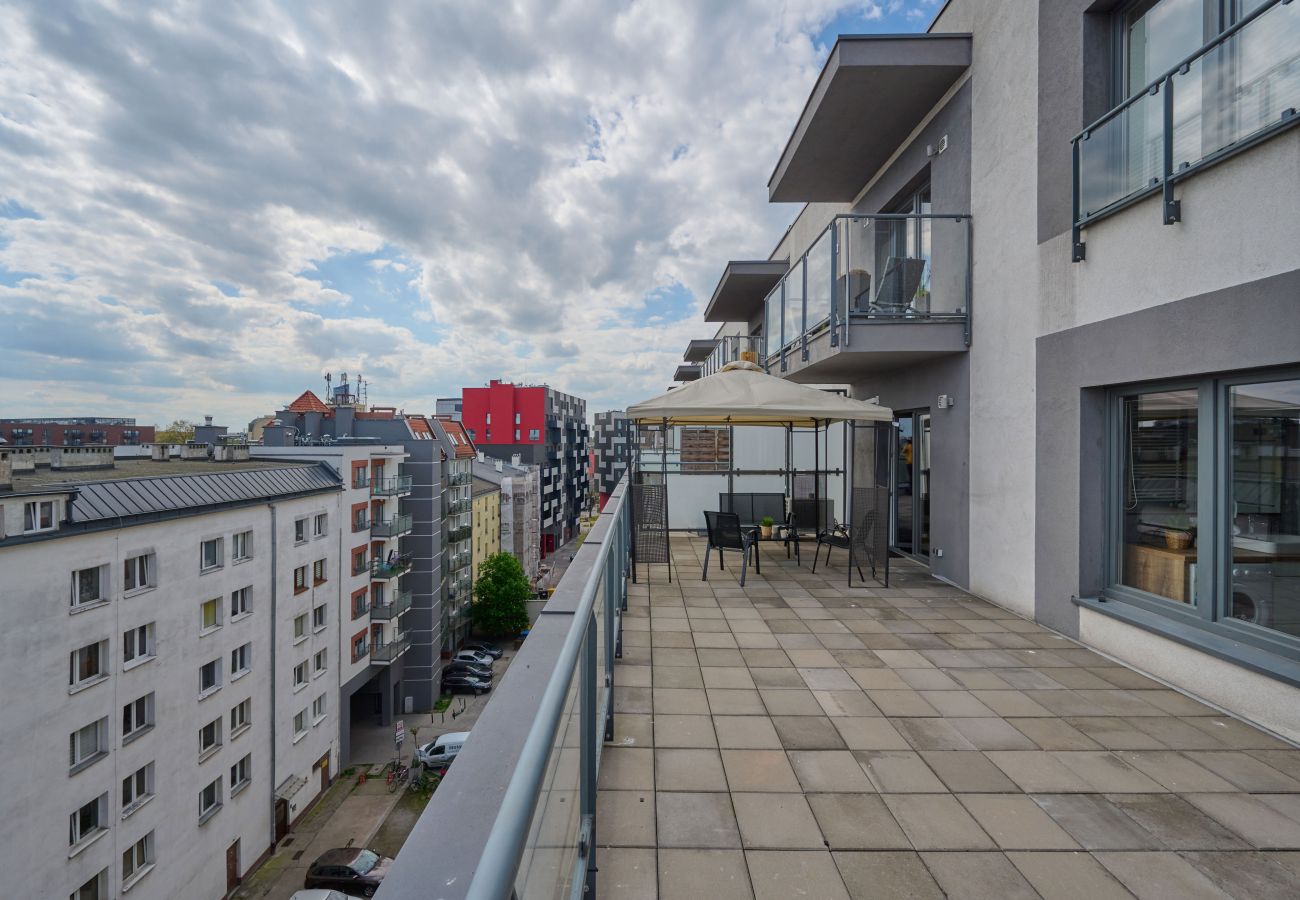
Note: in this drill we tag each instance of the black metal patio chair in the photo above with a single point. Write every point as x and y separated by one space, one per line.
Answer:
725 533
851 539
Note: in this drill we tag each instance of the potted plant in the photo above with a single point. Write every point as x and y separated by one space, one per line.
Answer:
1179 532
766 527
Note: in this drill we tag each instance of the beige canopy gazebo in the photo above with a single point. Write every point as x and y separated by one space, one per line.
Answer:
741 393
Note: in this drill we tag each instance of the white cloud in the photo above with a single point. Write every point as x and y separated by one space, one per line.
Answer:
540 167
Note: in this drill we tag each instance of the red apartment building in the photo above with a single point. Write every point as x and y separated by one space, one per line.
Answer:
74 432
543 427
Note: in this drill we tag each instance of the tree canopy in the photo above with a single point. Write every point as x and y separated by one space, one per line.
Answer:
501 594
177 432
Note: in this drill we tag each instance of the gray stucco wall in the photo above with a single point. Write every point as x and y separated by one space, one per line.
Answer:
1251 325
919 387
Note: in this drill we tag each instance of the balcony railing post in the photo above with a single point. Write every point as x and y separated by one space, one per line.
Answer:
1172 207
1077 250
588 756
835 282
612 591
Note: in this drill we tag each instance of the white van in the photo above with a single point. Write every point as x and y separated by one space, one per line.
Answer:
440 751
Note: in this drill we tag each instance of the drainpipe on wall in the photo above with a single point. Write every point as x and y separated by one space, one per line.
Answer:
274 582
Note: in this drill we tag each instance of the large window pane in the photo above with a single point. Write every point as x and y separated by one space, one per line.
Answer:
772 322
1158 542
1265 506
794 303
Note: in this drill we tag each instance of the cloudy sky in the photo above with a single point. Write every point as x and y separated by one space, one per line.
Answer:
205 206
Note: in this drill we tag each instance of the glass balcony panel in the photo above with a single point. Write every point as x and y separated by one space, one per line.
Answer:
820 281
944 287
772 322
793 304
1122 156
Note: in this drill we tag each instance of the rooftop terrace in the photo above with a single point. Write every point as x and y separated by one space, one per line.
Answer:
799 738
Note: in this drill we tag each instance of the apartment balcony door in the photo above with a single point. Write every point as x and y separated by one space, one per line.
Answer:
232 867
911 485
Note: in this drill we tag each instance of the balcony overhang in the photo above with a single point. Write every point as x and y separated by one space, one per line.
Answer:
872 93
742 288
686 372
697 351
875 345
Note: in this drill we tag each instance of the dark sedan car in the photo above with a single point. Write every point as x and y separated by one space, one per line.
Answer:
463 668
465 684
354 871
490 649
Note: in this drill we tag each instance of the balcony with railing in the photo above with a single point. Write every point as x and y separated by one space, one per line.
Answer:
872 292
460 506
399 603
394 526
391 486
385 654
384 569
729 349
460 478
1238 89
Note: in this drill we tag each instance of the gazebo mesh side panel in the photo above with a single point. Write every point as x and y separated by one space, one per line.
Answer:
650 523
872 453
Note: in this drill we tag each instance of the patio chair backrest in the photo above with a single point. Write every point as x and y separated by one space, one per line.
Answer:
724 530
898 284
752 507
811 514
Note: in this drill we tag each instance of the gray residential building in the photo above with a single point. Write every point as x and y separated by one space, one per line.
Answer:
520 486
613 448
1051 237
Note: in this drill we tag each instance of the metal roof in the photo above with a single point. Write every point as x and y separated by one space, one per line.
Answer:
123 498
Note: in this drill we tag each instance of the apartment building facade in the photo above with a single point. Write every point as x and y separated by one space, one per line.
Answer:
612 441
487 520
458 512
520 508
410 644
1047 237
151 612
79 431
543 427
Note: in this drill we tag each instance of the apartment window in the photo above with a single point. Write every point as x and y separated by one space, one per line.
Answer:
88 821
360 646
87 744
300 675
209 801
137 788
360 603
241 773
137 717
318 710
318 662
38 516
318 571
300 579
241 660
359 561
516 434
299 724
138 645
210 555
534 434
240 716
360 519
209 737
488 420
358 476
89 587
299 627
209 615
320 524
94 889
88 664
209 677
137 860
240 602
299 530
137 572
1208 550
318 617
241 546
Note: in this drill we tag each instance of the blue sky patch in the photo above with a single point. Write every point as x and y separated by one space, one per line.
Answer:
665 304
226 288
11 278
384 284
12 209
894 20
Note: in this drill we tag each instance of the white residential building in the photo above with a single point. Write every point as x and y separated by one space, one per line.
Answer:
521 493
151 610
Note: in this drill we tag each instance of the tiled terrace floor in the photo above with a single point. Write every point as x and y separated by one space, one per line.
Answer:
796 738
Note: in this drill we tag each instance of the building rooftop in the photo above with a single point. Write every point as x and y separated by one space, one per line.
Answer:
308 402
459 436
484 486
133 469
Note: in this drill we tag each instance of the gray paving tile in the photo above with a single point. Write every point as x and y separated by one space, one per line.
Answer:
746 733
627 818
682 872
846 703
894 875
1250 817
778 678
688 770
869 733
790 702
1096 823
627 874
1113 733
936 822
978 876
759 770
727 702
992 734
968 771
857 822
899 772
633 730
684 731
1160 876
932 734
901 703
1244 770
695 820
627 769
1053 734
807 733
782 874
1176 823
1037 771
1237 735
679 701
1015 822
776 821
1068 876
828 771
677 677
1107 773
1246 875
1175 772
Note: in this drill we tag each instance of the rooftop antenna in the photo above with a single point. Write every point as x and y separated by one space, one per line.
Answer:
329 379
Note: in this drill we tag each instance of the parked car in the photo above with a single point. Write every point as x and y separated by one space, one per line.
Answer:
490 649
354 871
464 668
465 684
473 656
439 752
318 894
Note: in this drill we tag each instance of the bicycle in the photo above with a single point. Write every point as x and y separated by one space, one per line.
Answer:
397 774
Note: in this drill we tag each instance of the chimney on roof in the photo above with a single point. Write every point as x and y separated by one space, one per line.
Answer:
6 471
516 460
207 420
499 464
97 457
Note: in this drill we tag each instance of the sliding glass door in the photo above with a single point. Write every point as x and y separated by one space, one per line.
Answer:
911 487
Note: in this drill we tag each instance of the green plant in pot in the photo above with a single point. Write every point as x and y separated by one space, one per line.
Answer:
1180 533
765 525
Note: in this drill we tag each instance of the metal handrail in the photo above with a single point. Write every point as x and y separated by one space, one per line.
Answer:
501 779
1172 211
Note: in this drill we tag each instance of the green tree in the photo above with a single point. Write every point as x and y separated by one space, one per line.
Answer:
177 432
501 592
